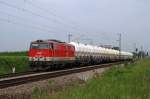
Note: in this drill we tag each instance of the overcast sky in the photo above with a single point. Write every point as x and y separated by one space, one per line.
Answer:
22 21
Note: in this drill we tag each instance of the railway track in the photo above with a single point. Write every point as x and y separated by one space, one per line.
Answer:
16 74
14 80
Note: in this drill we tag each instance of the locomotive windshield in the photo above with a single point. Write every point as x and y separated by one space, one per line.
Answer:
41 46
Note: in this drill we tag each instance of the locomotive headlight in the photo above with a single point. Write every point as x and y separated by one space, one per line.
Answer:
47 58
41 58
30 58
35 59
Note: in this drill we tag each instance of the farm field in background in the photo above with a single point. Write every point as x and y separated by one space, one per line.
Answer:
8 60
21 53
129 82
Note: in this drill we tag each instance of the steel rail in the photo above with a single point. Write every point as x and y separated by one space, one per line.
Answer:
17 74
22 79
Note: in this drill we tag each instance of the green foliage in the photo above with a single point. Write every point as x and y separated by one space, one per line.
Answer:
8 62
38 93
21 53
130 82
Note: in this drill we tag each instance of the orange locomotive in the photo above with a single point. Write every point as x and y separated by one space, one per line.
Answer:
47 54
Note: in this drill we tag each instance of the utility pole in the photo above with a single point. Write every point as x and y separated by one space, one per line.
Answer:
69 38
120 45
142 52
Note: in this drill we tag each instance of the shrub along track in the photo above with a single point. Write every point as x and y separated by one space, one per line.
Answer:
22 78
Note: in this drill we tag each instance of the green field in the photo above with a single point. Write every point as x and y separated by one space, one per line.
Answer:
21 53
130 82
8 60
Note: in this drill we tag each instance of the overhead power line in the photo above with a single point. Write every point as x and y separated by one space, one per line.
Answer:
69 38
52 14
31 12
25 25
23 19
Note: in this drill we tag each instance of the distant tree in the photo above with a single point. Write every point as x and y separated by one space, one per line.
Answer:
141 54
136 50
116 48
147 54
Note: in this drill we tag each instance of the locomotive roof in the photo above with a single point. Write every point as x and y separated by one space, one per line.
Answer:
53 40
50 41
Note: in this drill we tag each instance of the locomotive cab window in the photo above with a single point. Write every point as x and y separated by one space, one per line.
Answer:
51 46
41 46
34 46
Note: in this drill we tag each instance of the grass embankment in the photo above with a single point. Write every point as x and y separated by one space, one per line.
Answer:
8 60
130 82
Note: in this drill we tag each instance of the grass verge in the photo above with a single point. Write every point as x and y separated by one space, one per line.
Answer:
130 82
8 62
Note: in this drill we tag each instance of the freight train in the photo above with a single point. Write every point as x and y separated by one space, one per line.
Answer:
49 54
